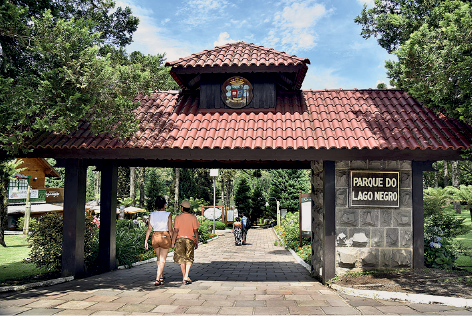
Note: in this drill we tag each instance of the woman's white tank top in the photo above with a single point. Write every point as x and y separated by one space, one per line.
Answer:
159 221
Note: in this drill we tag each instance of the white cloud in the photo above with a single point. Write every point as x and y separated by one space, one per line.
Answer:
198 12
294 26
318 79
151 39
223 38
370 3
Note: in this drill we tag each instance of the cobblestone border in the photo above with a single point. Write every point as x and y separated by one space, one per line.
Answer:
404 297
35 284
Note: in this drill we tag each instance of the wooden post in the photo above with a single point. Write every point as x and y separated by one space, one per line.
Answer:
107 234
27 210
418 214
329 205
74 218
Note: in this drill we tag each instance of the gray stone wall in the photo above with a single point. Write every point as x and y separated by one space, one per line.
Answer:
317 224
368 238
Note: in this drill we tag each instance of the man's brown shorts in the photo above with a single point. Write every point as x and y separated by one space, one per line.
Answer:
184 251
161 240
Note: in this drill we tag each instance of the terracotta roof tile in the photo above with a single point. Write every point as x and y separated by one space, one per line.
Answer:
335 119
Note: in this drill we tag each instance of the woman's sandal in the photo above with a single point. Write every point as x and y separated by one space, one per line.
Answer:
187 282
157 283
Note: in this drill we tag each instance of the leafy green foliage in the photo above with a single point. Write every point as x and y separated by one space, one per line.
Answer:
440 249
242 197
432 41
257 202
285 186
46 241
154 188
129 242
435 200
289 232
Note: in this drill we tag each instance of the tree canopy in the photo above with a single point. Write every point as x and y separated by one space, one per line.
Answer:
432 40
63 61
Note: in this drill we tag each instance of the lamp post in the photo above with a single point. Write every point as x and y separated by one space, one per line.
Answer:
214 174
278 209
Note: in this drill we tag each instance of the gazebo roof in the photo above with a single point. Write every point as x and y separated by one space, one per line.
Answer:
237 58
304 125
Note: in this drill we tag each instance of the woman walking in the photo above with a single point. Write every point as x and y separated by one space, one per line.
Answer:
237 231
160 223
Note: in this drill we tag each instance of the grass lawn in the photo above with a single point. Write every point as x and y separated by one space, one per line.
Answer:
465 262
12 266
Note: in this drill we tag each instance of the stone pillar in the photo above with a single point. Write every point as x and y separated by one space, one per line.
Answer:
74 218
368 238
323 219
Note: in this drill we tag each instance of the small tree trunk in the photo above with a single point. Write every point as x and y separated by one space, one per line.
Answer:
142 181
177 185
27 212
456 183
132 181
97 185
3 209
446 174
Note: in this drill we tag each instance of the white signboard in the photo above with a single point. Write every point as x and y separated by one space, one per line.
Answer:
229 216
15 194
306 215
209 213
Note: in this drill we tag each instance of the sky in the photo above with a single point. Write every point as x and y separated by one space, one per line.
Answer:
322 31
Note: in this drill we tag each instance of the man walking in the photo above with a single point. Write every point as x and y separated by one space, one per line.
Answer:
185 240
246 224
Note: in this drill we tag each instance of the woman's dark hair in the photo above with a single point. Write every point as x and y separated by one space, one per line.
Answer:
160 202
238 219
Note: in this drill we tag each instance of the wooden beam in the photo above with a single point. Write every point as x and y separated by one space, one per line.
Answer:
107 233
228 155
329 205
74 218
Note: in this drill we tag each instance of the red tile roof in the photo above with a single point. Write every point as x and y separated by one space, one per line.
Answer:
239 55
328 119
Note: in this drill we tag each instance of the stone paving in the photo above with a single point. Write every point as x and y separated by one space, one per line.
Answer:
259 278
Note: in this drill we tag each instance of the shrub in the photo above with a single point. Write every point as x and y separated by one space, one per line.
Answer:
450 225
291 231
440 251
129 242
220 225
204 230
33 223
46 240
434 200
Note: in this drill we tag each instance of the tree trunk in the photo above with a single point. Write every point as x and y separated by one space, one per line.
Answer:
177 185
142 181
456 183
97 185
446 174
3 209
132 181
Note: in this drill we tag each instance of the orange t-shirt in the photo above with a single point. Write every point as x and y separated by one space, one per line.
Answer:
186 223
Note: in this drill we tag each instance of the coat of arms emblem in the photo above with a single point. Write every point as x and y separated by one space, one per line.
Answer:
236 92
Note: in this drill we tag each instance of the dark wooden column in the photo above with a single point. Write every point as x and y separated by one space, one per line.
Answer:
74 218
417 168
107 234
329 204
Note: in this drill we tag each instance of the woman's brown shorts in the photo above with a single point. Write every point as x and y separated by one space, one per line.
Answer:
161 240
184 251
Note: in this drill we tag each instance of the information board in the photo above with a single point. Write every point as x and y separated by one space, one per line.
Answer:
374 188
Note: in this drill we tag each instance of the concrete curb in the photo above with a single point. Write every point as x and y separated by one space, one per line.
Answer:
294 254
36 284
389 296
405 297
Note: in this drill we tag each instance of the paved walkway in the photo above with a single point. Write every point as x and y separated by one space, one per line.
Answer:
258 278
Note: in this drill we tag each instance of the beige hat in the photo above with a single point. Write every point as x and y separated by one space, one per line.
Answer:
185 204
